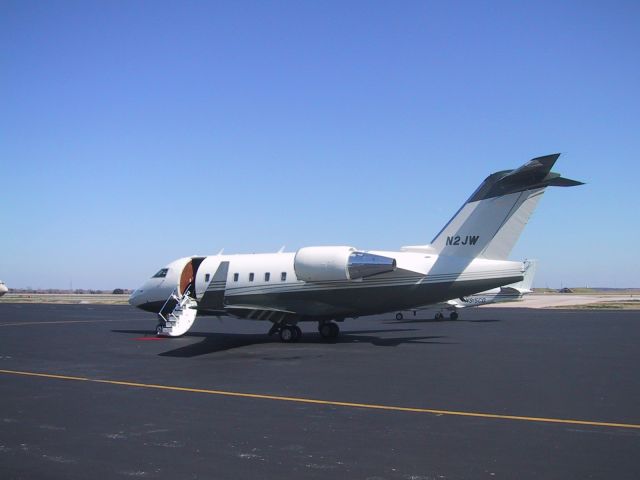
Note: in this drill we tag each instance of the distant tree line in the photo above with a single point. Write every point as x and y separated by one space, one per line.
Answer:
77 291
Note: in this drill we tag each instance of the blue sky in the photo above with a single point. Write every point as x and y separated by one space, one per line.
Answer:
133 133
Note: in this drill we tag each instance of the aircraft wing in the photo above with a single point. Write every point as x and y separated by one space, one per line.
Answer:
258 312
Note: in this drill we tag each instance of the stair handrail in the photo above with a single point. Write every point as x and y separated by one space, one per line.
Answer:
175 294
165 304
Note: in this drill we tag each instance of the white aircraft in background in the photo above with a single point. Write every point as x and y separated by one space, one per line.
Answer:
327 284
507 293
3 288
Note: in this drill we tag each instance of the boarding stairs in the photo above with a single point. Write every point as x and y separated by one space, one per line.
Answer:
179 320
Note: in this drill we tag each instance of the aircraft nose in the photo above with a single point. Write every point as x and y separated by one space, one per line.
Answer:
136 298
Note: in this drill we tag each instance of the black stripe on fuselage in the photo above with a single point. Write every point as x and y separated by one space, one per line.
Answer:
267 288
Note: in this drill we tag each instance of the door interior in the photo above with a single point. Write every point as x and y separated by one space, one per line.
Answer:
188 276
186 279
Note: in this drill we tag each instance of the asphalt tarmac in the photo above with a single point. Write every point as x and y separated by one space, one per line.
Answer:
87 391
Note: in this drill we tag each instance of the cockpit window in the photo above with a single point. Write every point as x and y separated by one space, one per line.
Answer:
161 273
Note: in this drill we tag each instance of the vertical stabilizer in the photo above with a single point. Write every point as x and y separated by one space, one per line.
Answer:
492 219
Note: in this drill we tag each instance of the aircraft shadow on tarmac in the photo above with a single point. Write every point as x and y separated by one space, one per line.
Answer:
433 320
213 342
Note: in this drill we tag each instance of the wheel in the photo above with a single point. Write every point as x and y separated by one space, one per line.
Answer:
453 316
399 316
439 316
325 330
298 332
335 330
159 329
287 334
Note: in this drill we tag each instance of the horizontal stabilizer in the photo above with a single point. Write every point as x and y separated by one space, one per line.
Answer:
564 182
532 175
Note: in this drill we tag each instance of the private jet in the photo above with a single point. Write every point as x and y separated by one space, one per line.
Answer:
328 284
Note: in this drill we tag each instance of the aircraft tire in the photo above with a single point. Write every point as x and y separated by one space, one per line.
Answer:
453 316
439 316
335 330
325 330
399 316
159 329
288 334
298 331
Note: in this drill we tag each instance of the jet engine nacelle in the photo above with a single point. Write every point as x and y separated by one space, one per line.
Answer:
326 264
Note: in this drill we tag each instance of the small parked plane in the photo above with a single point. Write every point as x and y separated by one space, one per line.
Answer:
3 288
507 293
327 284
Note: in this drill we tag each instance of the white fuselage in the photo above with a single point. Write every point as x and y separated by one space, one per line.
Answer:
485 298
269 281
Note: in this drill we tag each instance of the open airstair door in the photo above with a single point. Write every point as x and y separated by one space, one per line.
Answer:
187 278
179 311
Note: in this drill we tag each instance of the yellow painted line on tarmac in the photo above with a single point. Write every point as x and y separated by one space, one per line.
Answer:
328 402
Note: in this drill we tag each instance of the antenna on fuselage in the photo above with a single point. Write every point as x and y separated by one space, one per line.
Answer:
281 249
220 252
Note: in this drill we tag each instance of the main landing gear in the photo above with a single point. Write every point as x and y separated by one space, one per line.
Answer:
292 333
452 316
328 330
287 333
438 316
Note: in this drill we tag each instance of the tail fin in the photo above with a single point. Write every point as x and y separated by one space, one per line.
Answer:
491 221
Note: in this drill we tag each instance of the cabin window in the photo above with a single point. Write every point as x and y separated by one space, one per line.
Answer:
283 277
207 277
251 275
161 273
267 275
236 276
